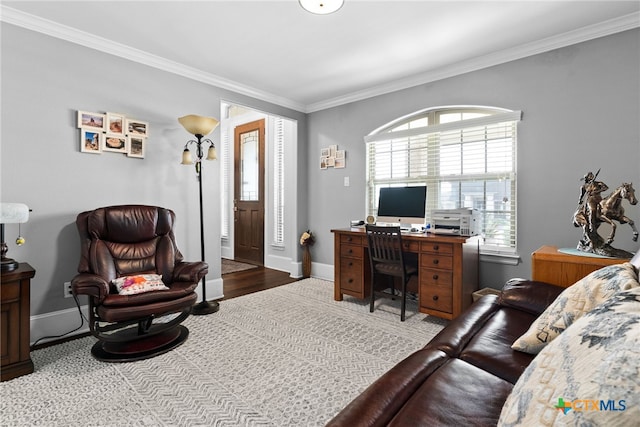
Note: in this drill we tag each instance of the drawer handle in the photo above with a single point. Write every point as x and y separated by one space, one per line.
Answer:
435 297
349 239
350 280
435 277
350 264
435 261
350 251
436 247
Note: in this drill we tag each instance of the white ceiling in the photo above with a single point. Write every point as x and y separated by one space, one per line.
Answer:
276 51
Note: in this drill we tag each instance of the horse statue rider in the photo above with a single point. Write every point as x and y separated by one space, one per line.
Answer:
592 189
593 210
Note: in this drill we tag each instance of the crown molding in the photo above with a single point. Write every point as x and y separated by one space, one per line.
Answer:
602 29
54 29
64 32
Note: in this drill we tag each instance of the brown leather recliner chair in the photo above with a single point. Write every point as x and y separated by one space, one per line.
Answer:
127 240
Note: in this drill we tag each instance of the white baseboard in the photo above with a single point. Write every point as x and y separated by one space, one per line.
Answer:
322 271
214 290
281 263
58 323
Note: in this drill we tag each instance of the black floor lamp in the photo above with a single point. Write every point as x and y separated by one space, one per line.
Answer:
200 127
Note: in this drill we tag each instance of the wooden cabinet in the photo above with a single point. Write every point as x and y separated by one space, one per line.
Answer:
436 277
447 276
352 268
14 325
560 269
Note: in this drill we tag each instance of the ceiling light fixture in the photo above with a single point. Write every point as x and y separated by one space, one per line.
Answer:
321 7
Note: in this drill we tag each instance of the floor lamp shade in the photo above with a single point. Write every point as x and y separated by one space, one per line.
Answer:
198 125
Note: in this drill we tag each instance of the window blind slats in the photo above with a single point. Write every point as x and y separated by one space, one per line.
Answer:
225 160
278 182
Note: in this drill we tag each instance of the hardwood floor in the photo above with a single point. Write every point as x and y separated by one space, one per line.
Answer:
254 280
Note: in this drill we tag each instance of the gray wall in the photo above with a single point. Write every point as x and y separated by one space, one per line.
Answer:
44 82
581 107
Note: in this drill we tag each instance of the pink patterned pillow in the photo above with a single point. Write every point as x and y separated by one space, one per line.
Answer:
131 285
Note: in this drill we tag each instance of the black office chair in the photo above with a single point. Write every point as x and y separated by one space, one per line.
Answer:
387 258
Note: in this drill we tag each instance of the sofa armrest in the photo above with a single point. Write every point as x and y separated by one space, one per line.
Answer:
91 285
191 272
529 295
455 337
379 403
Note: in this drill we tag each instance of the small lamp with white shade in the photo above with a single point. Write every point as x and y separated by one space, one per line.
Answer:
11 213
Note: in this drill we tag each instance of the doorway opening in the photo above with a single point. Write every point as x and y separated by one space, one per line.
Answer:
258 155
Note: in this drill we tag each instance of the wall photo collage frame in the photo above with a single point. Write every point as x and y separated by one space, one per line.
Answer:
112 132
331 157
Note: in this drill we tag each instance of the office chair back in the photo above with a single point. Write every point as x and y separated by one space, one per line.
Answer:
387 258
385 249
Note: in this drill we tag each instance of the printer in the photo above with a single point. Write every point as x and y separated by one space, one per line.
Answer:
457 222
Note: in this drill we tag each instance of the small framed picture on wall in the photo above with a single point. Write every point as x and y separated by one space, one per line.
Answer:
115 143
137 147
91 141
323 162
91 120
137 128
115 123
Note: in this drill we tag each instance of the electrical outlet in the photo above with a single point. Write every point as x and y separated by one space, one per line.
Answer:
67 290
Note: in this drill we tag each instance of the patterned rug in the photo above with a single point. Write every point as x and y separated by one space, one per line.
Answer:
231 266
287 356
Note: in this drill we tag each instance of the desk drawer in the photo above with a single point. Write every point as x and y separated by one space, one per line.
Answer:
348 238
352 251
410 246
430 277
436 297
436 261
351 275
437 248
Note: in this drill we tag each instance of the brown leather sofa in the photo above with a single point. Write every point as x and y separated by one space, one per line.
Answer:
463 376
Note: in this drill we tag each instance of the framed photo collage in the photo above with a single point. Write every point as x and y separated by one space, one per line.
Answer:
112 132
331 157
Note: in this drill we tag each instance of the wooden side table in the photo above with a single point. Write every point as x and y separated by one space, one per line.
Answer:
14 326
560 269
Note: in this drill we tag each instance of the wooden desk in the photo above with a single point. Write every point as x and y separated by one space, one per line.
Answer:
14 331
549 265
447 276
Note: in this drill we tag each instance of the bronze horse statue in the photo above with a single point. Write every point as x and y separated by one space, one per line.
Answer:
609 210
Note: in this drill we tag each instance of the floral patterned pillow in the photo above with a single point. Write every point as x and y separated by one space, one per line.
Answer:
574 302
131 285
588 376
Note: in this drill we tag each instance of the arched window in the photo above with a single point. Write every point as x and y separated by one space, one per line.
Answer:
465 155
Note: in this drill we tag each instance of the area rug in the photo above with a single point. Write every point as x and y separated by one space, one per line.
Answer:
287 356
231 266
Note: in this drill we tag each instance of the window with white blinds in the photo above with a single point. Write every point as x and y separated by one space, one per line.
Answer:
466 156
278 182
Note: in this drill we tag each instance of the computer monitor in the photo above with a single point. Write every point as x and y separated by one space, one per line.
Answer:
404 205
